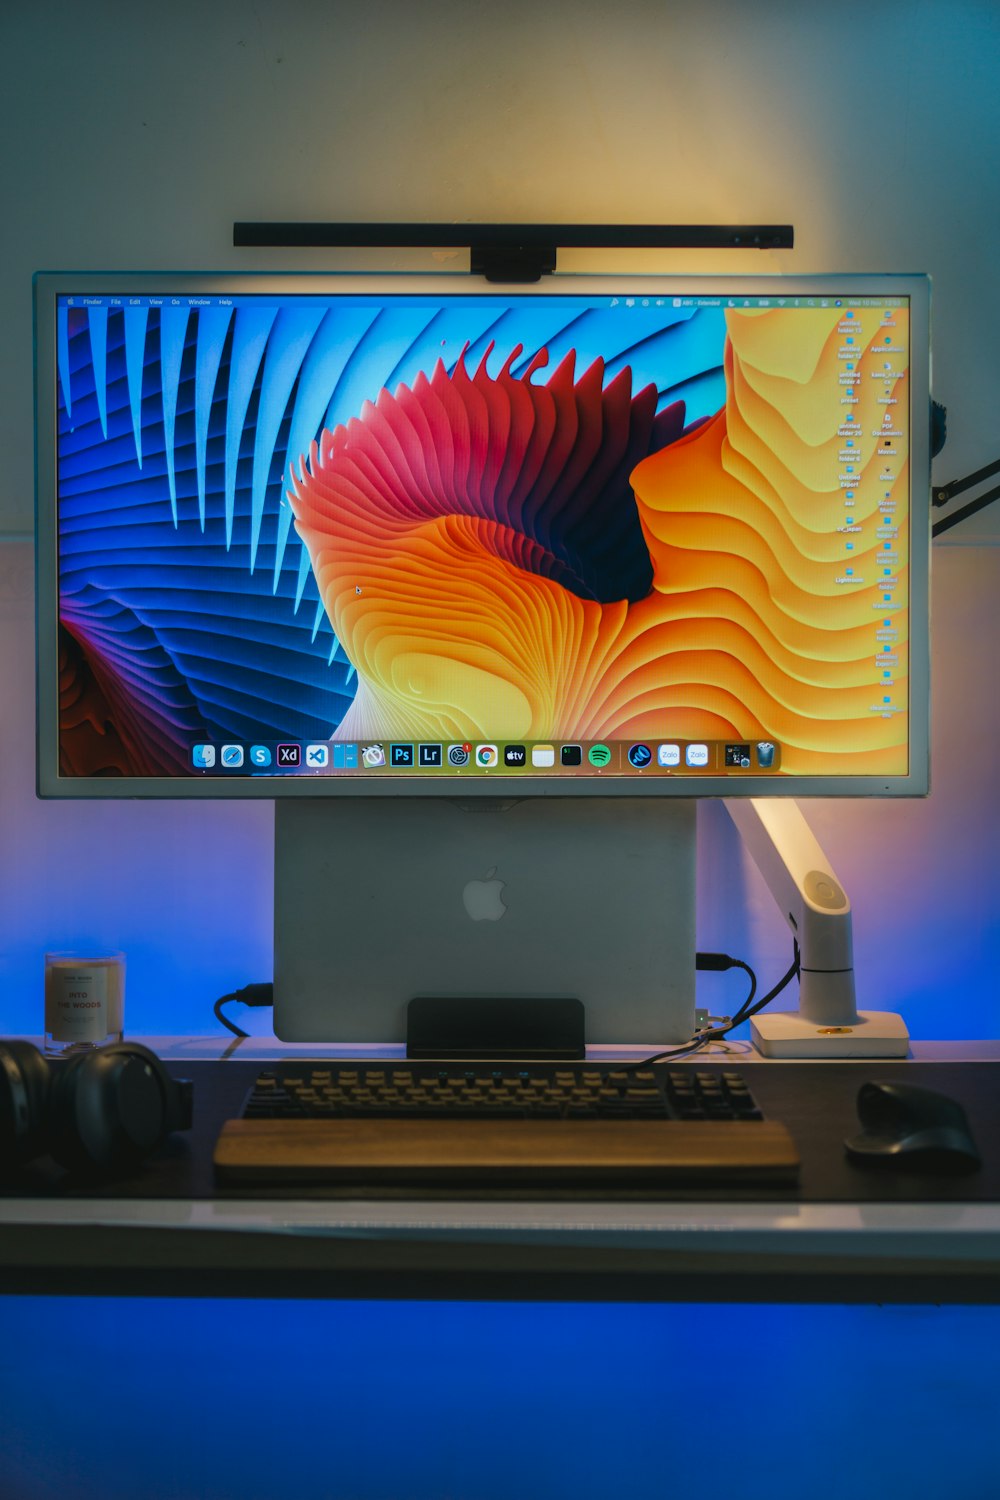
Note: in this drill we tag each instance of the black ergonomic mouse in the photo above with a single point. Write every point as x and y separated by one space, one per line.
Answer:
912 1128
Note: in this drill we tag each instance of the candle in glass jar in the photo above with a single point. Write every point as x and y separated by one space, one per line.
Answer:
84 999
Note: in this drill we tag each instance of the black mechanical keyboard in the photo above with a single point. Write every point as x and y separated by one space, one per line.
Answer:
494 1125
309 1091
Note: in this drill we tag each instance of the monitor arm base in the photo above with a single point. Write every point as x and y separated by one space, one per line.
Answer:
787 1033
818 911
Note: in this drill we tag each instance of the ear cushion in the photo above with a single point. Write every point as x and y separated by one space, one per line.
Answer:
25 1080
108 1108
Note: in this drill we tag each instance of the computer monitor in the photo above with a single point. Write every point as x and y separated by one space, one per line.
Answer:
398 550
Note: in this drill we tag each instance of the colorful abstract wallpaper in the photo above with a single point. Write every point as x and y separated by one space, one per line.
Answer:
312 518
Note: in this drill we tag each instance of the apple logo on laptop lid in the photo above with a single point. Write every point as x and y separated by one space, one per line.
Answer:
483 899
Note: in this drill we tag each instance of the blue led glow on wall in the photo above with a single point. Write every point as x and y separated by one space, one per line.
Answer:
190 1400
185 889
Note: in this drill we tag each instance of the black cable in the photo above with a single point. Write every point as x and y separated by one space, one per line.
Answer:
772 994
717 962
713 962
746 1010
963 511
942 493
263 994
230 1025
250 994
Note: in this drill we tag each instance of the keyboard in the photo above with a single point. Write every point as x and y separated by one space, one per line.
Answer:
489 1124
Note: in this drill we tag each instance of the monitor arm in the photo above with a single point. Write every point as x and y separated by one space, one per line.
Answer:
815 905
942 493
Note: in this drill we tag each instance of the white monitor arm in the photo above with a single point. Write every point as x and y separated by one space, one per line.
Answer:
815 905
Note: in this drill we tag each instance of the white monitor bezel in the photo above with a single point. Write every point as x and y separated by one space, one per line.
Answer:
50 783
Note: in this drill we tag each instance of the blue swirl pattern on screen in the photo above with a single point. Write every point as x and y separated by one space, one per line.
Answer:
189 604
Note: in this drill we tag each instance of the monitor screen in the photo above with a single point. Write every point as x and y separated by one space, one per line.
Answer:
313 535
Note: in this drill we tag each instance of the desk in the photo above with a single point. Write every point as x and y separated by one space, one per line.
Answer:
844 1235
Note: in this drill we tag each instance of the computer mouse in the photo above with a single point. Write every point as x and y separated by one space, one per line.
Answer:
913 1128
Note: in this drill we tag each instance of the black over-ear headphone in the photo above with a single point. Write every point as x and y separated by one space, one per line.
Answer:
103 1109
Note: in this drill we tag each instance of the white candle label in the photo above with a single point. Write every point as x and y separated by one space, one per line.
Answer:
76 1002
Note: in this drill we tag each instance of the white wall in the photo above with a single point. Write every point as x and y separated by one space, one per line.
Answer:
134 134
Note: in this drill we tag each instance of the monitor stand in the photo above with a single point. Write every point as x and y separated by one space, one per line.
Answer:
379 900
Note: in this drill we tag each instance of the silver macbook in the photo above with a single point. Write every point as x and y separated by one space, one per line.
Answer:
588 898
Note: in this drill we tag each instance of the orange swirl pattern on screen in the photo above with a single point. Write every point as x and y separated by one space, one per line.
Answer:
429 519
745 521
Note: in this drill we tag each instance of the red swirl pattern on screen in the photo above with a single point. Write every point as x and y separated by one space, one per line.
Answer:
477 564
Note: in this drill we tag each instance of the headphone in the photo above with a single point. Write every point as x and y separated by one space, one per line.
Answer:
102 1110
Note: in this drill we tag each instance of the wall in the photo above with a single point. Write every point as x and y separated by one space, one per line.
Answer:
134 135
